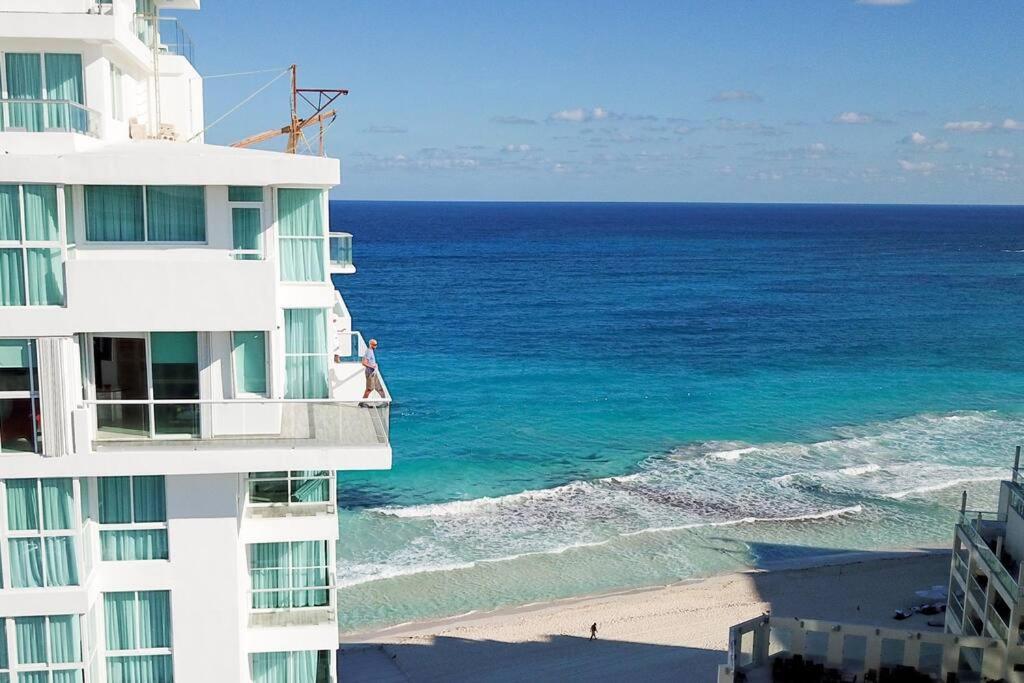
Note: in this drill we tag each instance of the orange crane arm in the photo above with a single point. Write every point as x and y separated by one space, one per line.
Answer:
286 130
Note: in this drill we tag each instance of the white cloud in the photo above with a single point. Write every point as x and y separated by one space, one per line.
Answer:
1001 153
916 138
923 142
968 126
522 148
580 115
736 96
853 117
884 3
683 130
923 167
1012 124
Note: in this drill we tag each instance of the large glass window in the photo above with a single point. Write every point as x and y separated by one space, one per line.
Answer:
294 487
305 353
138 635
39 78
19 396
301 226
31 257
289 575
249 356
133 518
41 532
246 222
49 649
152 213
175 367
305 666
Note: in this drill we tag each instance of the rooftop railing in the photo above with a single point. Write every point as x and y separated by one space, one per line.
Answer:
43 116
241 423
170 36
990 560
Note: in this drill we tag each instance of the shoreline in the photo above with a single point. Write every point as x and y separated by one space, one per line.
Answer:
647 632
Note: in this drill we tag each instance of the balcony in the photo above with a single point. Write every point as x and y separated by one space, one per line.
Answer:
47 116
989 559
340 260
170 36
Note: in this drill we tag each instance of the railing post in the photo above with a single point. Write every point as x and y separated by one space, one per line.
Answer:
1016 463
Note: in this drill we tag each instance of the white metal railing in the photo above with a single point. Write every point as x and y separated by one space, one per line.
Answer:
43 116
329 590
340 249
290 423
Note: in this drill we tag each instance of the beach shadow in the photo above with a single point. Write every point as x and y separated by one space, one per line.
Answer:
431 659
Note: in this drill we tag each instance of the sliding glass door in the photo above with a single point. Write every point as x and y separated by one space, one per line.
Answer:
160 366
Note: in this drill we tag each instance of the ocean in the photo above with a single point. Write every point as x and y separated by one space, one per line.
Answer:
590 397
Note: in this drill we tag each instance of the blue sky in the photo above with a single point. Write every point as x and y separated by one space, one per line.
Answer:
718 100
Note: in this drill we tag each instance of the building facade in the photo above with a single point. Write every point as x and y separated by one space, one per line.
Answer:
179 380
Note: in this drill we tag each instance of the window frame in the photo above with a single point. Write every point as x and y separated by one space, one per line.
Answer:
109 652
237 392
289 477
41 533
290 568
23 245
49 666
4 109
328 355
329 655
133 525
145 222
32 394
325 250
261 251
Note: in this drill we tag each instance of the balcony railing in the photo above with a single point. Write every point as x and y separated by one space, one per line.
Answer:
986 555
996 626
341 252
43 116
242 423
170 37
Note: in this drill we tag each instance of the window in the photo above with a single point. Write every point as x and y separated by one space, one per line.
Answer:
31 258
44 78
305 353
19 396
289 575
116 97
41 528
246 221
49 649
138 635
152 213
295 487
133 518
300 224
249 356
305 666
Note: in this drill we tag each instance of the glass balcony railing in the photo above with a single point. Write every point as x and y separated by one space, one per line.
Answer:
986 555
341 251
977 592
996 626
243 423
956 608
42 116
167 32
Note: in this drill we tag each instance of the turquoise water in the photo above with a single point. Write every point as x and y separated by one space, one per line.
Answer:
600 396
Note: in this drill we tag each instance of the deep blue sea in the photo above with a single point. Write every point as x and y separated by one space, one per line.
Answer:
598 396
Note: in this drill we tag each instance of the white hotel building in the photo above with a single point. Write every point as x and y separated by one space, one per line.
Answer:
179 380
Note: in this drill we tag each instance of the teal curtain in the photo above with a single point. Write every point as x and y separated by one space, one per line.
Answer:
301 226
175 370
41 213
134 544
113 213
58 504
120 620
250 356
45 277
310 490
285 667
12 278
140 669
30 633
150 505
177 213
154 619
245 193
25 82
22 505
26 563
309 570
115 500
75 676
245 231
10 214
268 570
4 660
305 353
61 564
65 639
64 82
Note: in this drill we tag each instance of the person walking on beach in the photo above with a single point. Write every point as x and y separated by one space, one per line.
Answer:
593 631
370 367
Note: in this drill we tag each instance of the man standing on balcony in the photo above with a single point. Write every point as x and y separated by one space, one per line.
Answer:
370 365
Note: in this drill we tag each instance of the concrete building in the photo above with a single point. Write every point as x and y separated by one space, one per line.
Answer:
179 380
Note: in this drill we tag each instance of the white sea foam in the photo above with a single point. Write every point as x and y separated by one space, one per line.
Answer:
733 454
930 488
857 470
811 516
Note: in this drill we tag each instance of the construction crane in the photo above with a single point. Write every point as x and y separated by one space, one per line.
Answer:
323 97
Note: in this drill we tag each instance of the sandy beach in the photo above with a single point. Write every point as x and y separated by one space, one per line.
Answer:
672 633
